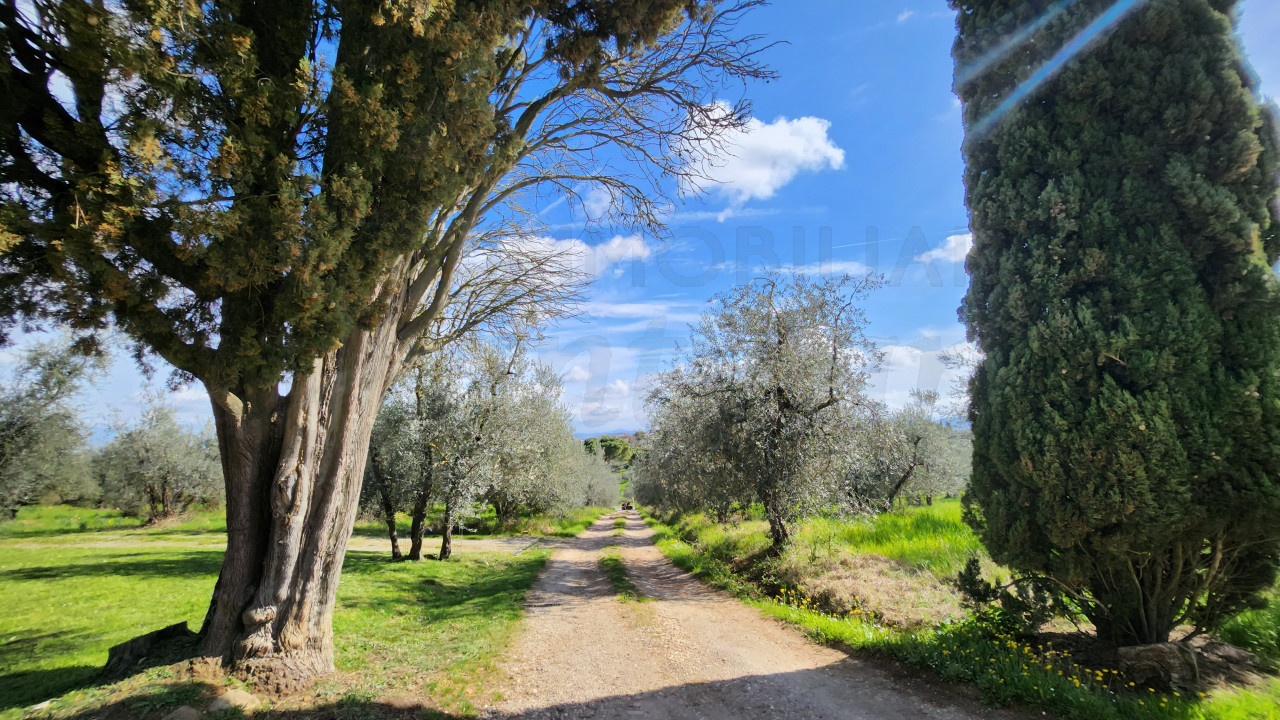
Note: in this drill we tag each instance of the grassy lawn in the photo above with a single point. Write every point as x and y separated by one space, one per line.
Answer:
929 542
66 605
427 631
63 523
924 538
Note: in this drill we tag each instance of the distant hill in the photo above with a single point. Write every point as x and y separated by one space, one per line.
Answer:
629 436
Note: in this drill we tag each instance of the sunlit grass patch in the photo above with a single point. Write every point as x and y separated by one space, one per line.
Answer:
65 606
925 538
38 520
1257 630
428 629
65 523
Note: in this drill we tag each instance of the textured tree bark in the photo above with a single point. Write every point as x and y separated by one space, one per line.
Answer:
389 512
422 502
779 533
293 467
446 533
418 526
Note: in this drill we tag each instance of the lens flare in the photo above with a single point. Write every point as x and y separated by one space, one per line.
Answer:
995 54
1096 30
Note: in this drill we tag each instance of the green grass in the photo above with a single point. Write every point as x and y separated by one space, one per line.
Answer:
65 522
925 538
897 566
66 605
1257 630
431 629
38 520
1003 670
611 565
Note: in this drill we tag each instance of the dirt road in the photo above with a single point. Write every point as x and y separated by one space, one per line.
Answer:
691 652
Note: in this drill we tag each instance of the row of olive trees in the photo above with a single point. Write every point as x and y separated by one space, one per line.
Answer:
770 406
477 425
154 466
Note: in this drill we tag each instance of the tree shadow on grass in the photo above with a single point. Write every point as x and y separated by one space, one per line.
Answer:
846 689
27 687
21 689
13 533
469 591
170 563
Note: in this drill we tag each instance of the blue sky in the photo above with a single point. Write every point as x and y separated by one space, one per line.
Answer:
852 163
858 142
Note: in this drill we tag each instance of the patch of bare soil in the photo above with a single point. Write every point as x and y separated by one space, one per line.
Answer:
688 652
884 589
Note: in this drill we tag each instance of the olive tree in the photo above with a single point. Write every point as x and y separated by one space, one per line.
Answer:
779 364
157 466
535 461
394 467
894 452
597 485
679 468
277 194
42 442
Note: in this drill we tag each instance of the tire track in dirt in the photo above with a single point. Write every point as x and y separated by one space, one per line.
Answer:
689 652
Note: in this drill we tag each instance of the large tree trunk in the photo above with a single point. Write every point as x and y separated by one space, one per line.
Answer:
293 466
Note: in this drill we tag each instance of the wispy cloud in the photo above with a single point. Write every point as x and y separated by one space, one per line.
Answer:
827 267
596 260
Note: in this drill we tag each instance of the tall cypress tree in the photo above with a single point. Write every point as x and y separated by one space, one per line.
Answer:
1126 416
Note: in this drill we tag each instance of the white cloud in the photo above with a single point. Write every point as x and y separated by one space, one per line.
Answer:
611 403
762 157
954 250
596 203
905 15
596 260
641 310
915 365
620 248
577 373
827 267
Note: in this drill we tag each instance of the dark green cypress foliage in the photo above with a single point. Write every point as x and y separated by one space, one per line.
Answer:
1127 414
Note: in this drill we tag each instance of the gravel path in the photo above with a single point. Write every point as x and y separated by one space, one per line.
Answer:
691 652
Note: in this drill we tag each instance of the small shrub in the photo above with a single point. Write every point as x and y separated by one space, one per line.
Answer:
1018 608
